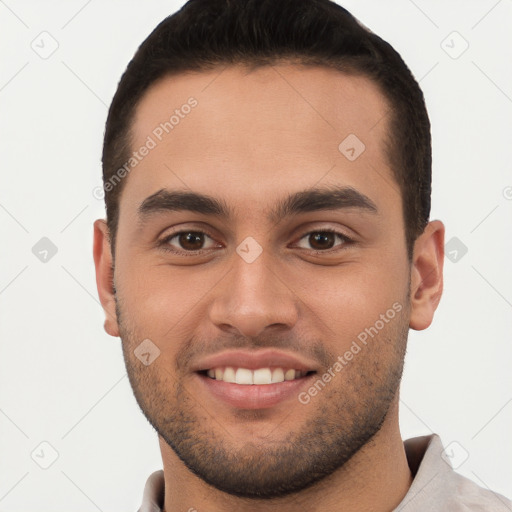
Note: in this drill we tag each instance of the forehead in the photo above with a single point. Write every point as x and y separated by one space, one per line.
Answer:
248 135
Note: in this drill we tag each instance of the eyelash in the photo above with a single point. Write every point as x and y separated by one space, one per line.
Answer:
164 243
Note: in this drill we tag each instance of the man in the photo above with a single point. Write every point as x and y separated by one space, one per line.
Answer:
267 176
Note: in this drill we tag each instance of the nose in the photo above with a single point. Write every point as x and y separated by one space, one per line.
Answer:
253 297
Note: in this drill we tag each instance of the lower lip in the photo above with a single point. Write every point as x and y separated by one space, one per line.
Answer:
256 396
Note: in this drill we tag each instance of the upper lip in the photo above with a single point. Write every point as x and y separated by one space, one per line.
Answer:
253 360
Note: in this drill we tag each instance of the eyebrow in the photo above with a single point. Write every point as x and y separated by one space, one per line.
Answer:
304 201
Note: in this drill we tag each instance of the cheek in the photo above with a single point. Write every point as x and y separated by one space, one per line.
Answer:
343 301
164 302
159 301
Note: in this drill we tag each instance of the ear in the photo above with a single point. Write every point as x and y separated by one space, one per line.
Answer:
104 275
427 275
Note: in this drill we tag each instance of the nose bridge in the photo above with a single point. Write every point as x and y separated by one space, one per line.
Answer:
253 295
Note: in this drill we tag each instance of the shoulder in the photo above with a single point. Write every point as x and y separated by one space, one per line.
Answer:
436 486
467 495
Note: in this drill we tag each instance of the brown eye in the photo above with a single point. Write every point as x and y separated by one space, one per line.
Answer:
191 240
323 240
186 241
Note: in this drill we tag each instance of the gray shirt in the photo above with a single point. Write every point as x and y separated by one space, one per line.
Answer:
436 486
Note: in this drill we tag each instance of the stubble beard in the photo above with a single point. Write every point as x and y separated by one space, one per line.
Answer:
350 410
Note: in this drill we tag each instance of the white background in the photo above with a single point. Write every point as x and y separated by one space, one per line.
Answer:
62 379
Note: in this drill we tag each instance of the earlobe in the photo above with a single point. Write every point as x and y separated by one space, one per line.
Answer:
427 275
104 276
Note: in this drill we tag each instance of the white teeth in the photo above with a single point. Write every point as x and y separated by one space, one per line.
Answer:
289 375
261 376
243 376
229 375
278 375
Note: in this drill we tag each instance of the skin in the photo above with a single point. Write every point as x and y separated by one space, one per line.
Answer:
253 138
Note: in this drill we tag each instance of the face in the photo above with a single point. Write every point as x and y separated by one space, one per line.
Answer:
265 266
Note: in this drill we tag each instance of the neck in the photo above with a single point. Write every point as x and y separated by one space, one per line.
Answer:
375 479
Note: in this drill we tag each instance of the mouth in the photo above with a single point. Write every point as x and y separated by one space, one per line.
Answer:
255 379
